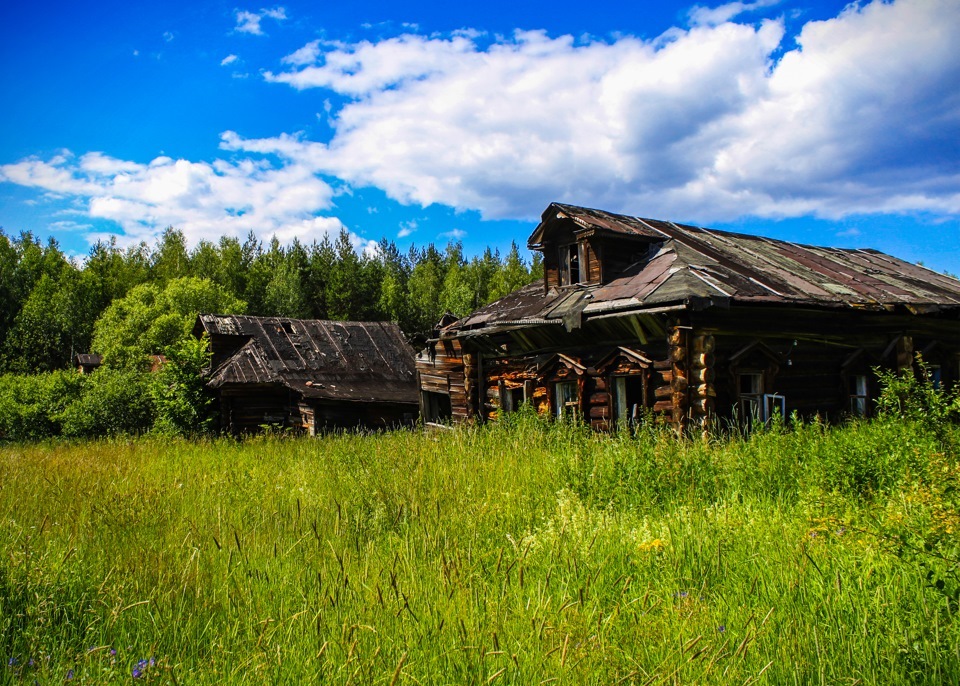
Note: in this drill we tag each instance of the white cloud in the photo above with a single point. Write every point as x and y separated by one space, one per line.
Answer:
713 16
453 234
407 228
205 200
249 22
168 36
229 59
701 123
308 54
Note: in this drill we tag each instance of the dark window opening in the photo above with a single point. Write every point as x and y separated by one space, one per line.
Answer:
750 389
569 264
511 399
287 327
628 399
436 407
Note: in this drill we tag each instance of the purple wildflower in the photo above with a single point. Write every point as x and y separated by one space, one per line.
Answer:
722 628
12 662
70 675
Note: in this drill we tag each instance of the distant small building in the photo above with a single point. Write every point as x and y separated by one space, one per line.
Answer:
308 375
642 317
88 362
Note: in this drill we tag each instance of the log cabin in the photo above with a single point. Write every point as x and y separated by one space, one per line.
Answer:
308 375
640 318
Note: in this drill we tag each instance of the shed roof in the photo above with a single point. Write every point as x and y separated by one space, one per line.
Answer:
332 360
689 263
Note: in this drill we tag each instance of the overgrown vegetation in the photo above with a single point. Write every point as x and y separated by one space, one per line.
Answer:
521 552
51 304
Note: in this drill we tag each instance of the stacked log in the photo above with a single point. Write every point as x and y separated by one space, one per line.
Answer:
702 395
679 355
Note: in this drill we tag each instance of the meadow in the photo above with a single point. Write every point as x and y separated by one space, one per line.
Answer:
516 553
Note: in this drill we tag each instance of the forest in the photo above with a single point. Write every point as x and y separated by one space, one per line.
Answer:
131 303
51 304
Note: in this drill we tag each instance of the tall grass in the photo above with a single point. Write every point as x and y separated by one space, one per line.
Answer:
520 553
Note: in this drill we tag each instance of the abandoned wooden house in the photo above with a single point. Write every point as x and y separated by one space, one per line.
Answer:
88 363
638 317
308 375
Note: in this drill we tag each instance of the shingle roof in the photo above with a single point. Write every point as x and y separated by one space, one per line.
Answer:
355 361
688 262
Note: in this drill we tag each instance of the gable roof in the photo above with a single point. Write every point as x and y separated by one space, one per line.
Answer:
332 360
689 264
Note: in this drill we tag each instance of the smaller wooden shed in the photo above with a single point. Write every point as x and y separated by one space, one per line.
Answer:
308 374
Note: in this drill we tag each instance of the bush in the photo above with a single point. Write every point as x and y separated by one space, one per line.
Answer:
31 406
113 401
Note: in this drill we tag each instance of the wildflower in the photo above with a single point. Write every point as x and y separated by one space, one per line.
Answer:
70 675
113 652
12 662
722 628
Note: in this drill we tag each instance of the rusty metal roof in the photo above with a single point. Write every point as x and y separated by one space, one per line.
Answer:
687 263
332 360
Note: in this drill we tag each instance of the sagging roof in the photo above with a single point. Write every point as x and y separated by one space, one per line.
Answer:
330 360
686 264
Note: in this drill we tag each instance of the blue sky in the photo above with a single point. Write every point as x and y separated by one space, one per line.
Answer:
424 122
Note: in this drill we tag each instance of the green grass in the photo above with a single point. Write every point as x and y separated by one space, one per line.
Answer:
521 553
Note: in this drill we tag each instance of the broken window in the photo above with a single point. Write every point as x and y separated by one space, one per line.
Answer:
566 398
569 264
511 399
750 388
859 396
628 396
436 406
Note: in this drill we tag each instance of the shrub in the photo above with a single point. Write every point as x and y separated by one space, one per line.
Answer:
114 401
31 405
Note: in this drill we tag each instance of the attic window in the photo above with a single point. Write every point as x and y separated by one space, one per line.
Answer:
569 264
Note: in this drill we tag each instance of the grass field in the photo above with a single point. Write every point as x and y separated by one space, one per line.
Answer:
521 553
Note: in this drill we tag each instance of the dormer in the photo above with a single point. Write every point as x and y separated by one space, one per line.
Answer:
589 247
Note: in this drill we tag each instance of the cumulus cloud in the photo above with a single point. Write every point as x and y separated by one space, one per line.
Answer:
205 200
249 22
856 114
707 123
229 59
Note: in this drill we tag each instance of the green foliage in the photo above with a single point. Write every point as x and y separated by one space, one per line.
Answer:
148 320
520 553
113 402
32 406
916 398
179 397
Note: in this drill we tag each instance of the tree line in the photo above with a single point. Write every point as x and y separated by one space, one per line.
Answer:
55 307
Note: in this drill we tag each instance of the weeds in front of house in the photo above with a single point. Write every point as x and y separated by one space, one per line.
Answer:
516 553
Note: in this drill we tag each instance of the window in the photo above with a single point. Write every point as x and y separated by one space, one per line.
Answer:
750 388
566 398
627 399
511 398
436 407
569 264
858 396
